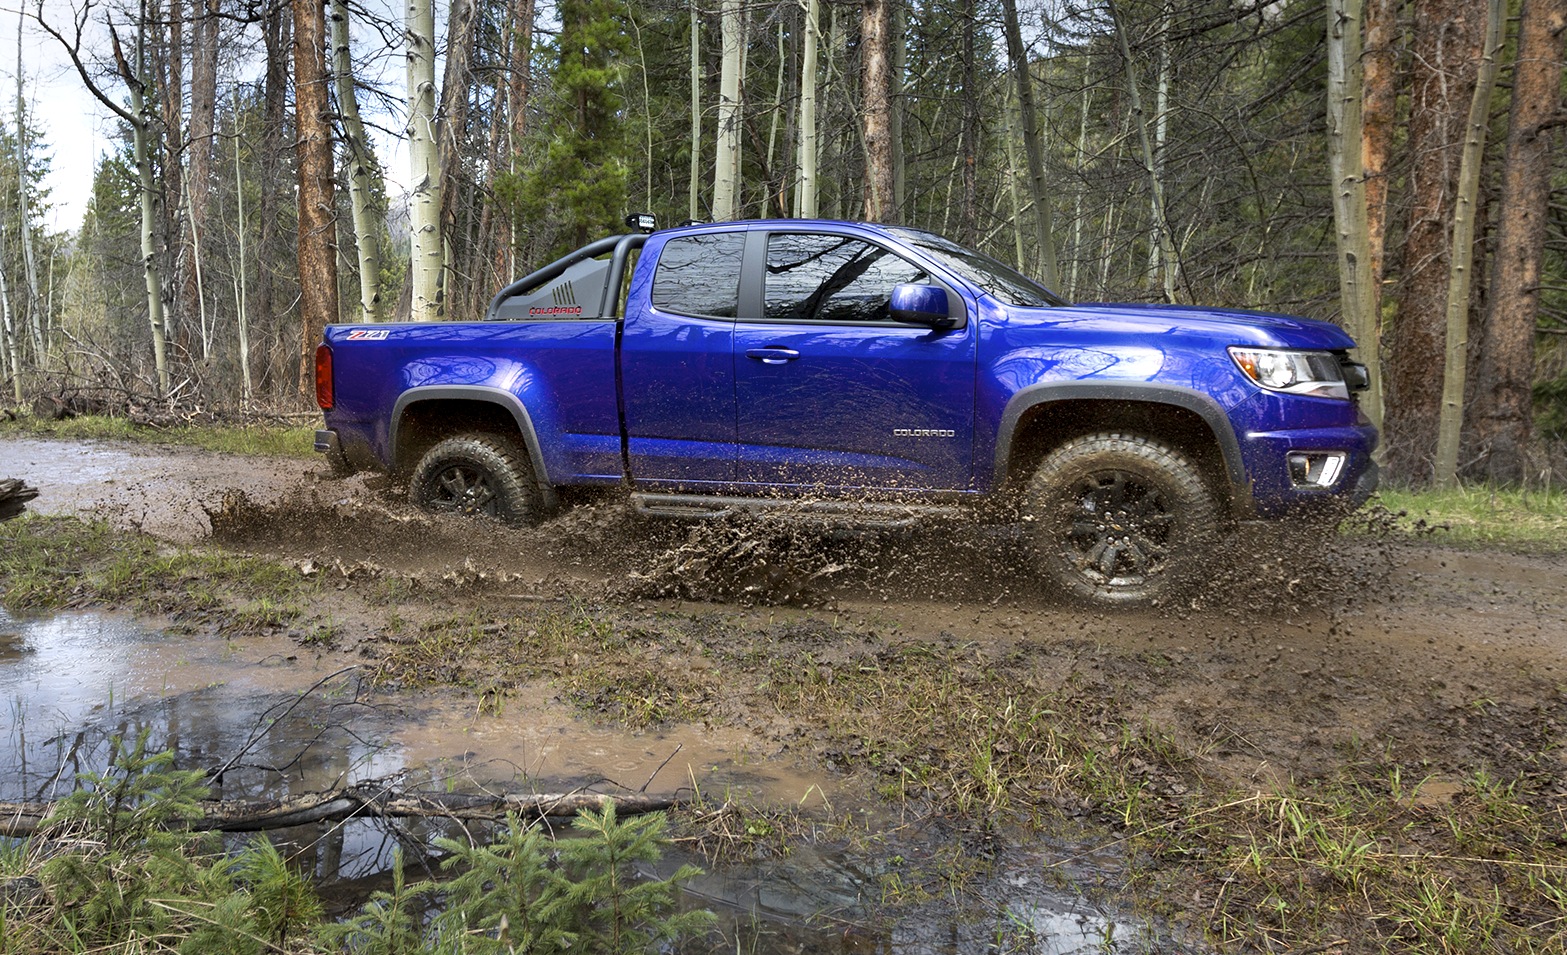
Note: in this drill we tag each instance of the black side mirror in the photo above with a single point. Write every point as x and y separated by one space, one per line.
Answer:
920 304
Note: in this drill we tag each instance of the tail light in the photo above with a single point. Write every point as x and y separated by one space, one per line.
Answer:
324 394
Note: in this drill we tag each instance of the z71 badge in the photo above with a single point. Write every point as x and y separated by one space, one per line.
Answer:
369 334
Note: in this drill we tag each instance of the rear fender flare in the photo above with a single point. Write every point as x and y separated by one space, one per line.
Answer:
488 395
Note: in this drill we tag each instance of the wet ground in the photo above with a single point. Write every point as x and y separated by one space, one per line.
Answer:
1296 657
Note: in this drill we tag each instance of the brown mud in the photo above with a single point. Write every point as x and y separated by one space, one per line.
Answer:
1300 655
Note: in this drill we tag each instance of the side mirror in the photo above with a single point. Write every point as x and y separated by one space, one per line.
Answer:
920 304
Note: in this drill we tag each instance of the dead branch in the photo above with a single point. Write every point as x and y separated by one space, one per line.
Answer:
18 819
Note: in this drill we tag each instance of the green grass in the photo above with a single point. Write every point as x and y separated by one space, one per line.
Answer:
1481 515
272 439
52 562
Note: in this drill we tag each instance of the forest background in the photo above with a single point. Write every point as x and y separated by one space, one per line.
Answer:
1392 165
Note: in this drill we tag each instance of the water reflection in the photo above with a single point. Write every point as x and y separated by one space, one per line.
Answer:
279 723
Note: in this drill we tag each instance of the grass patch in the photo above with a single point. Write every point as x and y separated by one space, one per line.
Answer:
602 669
1367 858
51 562
1533 520
261 439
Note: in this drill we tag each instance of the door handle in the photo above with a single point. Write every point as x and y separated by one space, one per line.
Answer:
772 354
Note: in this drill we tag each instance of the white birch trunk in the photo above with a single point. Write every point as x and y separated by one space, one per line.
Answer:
142 146
1013 122
361 163
10 337
726 178
1460 276
1346 164
805 197
195 261
242 314
1077 201
424 213
1161 131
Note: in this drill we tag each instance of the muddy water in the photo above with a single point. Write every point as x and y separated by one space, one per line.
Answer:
163 490
289 722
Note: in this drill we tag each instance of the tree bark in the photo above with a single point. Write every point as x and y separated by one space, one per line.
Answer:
457 183
1503 413
1033 147
694 195
276 37
1455 365
24 215
241 309
1446 59
317 245
1357 294
519 55
876 108
968 130
203 112
361 167
1378 105
425 252
1155 181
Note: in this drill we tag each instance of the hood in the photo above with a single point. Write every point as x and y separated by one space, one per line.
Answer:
1221 326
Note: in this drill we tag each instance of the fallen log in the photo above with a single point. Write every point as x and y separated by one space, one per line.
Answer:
257 815
14 496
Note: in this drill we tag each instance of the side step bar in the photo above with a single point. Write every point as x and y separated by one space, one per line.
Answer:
869 514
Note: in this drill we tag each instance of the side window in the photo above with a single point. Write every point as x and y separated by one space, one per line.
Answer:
699 275
832 278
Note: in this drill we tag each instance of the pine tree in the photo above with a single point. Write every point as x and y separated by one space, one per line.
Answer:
576 190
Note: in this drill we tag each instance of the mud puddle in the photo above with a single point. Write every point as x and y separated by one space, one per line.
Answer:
284 722
163 490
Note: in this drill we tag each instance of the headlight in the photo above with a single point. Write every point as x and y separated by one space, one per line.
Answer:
1314 373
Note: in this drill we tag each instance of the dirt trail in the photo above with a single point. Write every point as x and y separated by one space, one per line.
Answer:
1290 655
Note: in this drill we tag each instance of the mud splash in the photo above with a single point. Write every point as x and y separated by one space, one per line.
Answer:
604 550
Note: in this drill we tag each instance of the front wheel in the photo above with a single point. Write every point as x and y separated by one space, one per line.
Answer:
477 474
1119 519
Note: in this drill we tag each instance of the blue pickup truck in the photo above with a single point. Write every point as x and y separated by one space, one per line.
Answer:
867 373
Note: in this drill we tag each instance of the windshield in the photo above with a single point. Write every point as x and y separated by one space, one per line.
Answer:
1002 281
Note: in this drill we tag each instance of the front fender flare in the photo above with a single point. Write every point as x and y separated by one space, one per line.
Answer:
1027 399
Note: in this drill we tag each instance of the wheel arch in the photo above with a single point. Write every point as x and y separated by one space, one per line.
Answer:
1042 417
423 416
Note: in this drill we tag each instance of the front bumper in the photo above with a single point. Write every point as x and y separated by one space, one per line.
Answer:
1287 469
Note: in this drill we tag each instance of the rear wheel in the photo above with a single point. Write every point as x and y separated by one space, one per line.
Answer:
477 474
1119 519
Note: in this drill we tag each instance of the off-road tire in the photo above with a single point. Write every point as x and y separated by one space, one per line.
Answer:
1119 520
477 474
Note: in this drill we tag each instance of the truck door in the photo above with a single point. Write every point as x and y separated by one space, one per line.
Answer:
677 362
831 391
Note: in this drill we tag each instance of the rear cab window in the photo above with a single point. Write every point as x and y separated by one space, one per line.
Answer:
699 275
